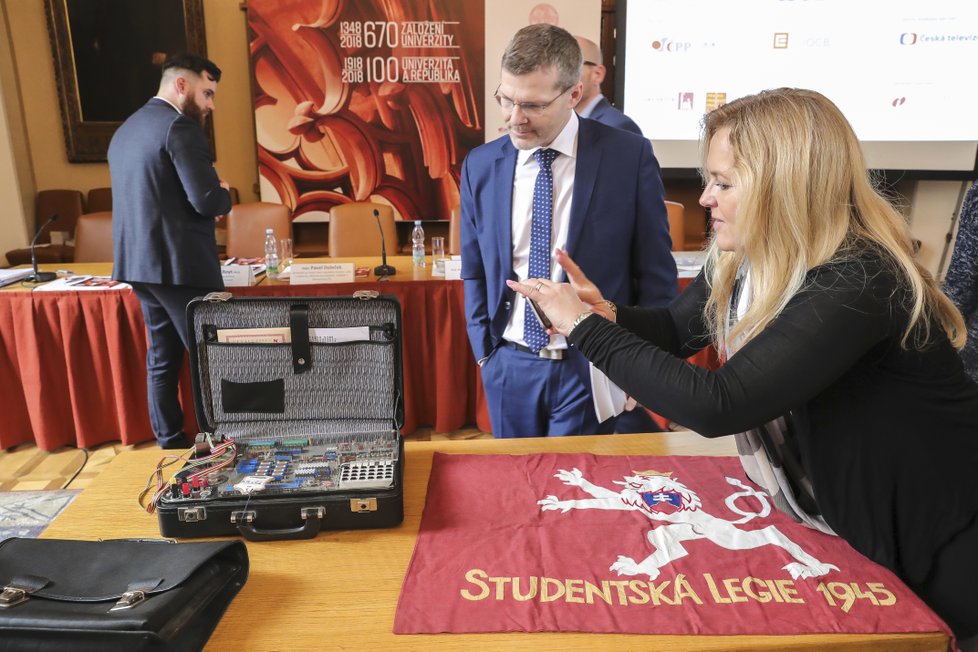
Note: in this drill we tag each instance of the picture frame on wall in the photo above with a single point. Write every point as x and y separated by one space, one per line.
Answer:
107 57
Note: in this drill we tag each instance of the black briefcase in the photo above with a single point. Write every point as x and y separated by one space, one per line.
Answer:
115 595
300 404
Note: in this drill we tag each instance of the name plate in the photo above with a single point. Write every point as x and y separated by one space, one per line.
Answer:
310 273
236 276
453 270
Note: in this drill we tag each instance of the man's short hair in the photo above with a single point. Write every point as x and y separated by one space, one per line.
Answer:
544 46
192 62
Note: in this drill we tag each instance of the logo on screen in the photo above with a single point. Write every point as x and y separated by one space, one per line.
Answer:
685 101
715 101
898 101
908 38
781 40
668 45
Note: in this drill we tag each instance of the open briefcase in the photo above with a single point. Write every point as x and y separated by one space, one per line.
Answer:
299 400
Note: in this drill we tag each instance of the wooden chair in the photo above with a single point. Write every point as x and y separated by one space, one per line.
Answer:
67 204
353 230
677 224
455 231
99 199
93 238
246 224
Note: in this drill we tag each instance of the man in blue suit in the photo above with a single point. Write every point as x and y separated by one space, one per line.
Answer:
165 196
593 103
567 183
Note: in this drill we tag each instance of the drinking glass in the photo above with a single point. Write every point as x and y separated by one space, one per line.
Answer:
285 253
438 255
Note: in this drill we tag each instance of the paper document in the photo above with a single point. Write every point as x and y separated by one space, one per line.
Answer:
9 276
71 283
609 399
283 335
254 335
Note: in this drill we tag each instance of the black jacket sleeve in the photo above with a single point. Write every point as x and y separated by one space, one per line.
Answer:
841 315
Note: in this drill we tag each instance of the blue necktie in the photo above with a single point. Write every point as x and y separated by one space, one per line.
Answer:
543 209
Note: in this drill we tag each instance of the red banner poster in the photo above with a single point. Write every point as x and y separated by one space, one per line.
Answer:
642 545
366 101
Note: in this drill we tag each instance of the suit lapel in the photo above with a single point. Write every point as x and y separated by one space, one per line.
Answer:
585 176
504 171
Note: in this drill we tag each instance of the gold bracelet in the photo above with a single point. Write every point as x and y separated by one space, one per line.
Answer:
581 317
614 309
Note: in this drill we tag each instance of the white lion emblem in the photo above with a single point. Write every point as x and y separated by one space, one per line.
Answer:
662 498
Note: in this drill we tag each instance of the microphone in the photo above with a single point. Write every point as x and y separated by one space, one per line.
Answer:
383 269
40 277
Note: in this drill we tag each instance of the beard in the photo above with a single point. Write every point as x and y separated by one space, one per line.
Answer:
193 110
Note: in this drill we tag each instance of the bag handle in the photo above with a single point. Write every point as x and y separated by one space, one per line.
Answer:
313 517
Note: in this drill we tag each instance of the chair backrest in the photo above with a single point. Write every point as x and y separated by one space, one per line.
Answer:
99 199
93 238
455 231
246 224
677 224
353 230
66 203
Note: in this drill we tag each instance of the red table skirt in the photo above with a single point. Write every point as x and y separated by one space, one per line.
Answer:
73 364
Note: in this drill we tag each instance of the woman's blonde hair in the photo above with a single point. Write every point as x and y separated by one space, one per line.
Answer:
806 199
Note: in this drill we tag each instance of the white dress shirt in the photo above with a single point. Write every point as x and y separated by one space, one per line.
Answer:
563 168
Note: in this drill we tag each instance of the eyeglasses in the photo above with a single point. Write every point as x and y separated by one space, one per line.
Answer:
529 108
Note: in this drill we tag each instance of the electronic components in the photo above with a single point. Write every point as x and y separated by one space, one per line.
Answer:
349 462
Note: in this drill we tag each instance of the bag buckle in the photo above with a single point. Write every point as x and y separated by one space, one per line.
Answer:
129 600
13 596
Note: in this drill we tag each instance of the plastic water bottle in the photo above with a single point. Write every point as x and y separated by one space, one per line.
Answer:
417 244
271 254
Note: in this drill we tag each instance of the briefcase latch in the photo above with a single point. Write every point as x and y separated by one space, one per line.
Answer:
359 505
13 596
129 600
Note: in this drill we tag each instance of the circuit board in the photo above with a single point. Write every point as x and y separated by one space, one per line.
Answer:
358 461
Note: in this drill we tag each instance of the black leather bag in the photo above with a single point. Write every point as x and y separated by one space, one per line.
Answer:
115 595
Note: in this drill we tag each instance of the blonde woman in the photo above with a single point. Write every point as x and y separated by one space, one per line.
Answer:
841 382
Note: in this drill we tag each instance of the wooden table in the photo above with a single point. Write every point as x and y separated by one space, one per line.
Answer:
340 589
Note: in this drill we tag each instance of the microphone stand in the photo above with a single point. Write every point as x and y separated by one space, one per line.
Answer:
40 277
383 269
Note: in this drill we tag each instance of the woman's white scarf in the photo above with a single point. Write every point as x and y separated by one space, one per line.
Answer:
762 450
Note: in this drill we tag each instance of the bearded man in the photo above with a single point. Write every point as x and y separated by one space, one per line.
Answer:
166 195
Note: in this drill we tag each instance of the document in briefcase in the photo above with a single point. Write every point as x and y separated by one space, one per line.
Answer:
115 595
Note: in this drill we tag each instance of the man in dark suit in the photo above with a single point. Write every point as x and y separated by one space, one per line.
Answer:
554 181
593 103
165 197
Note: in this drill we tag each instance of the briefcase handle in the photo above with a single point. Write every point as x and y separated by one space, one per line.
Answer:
313 517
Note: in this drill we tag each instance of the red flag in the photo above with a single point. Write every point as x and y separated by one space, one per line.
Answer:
644 545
